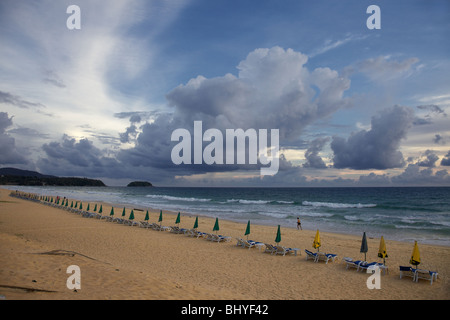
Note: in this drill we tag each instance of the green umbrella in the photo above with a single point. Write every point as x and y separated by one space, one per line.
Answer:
196 223
278 238
247 231
146 217
160 216
101 209
364 246
95 208
67 202
87 209
81 205
112 211
123 212
178 219
71 204
131 215
216 225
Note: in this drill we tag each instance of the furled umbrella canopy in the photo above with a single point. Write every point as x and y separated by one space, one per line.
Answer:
382 253
247 230
196 223
131 215
216 225
177 221
316 242
415 257
364 246
278 237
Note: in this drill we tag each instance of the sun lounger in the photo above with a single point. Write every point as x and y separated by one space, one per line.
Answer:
406 271
199 234
353 263
310 255
240 242
269 248
218 238
325 257
425 274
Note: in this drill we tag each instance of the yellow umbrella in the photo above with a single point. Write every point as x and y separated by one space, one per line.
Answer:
316 243
415 258
382 250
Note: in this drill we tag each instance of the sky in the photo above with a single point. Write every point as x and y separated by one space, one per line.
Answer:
354 106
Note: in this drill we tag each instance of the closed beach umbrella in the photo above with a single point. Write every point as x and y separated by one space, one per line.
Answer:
81 205
123 212
316 242
131 215
364 246
196 223
87 209
415 257
160 216
112 211
247 230
382 253
146 217
71 204
278 238
178 219
95 208
101 209
216 225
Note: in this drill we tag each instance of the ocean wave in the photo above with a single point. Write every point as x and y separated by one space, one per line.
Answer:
172 198
244 201
337 205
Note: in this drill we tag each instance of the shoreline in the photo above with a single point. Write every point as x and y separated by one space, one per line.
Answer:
399 234
182 267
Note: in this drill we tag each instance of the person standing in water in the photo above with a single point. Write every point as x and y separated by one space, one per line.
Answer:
299 224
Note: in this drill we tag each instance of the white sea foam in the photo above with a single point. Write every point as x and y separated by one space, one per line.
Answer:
337 205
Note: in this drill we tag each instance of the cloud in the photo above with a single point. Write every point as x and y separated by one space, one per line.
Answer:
273 90
446 160
414 176
8 98
313 160
8 151
382 68
330 45
429 159
433 108
378 147
72 157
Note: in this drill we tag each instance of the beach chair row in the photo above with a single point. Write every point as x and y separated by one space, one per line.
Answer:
359 265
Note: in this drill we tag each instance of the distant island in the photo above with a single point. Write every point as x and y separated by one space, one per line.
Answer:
18 177
139 184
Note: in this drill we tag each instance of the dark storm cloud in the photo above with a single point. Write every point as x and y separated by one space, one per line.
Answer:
273 90
428 159
8 150
446 160
378 147
313 160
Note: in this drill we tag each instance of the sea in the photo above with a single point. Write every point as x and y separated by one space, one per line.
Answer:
397 213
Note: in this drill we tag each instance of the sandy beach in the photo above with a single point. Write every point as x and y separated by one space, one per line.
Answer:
39 243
